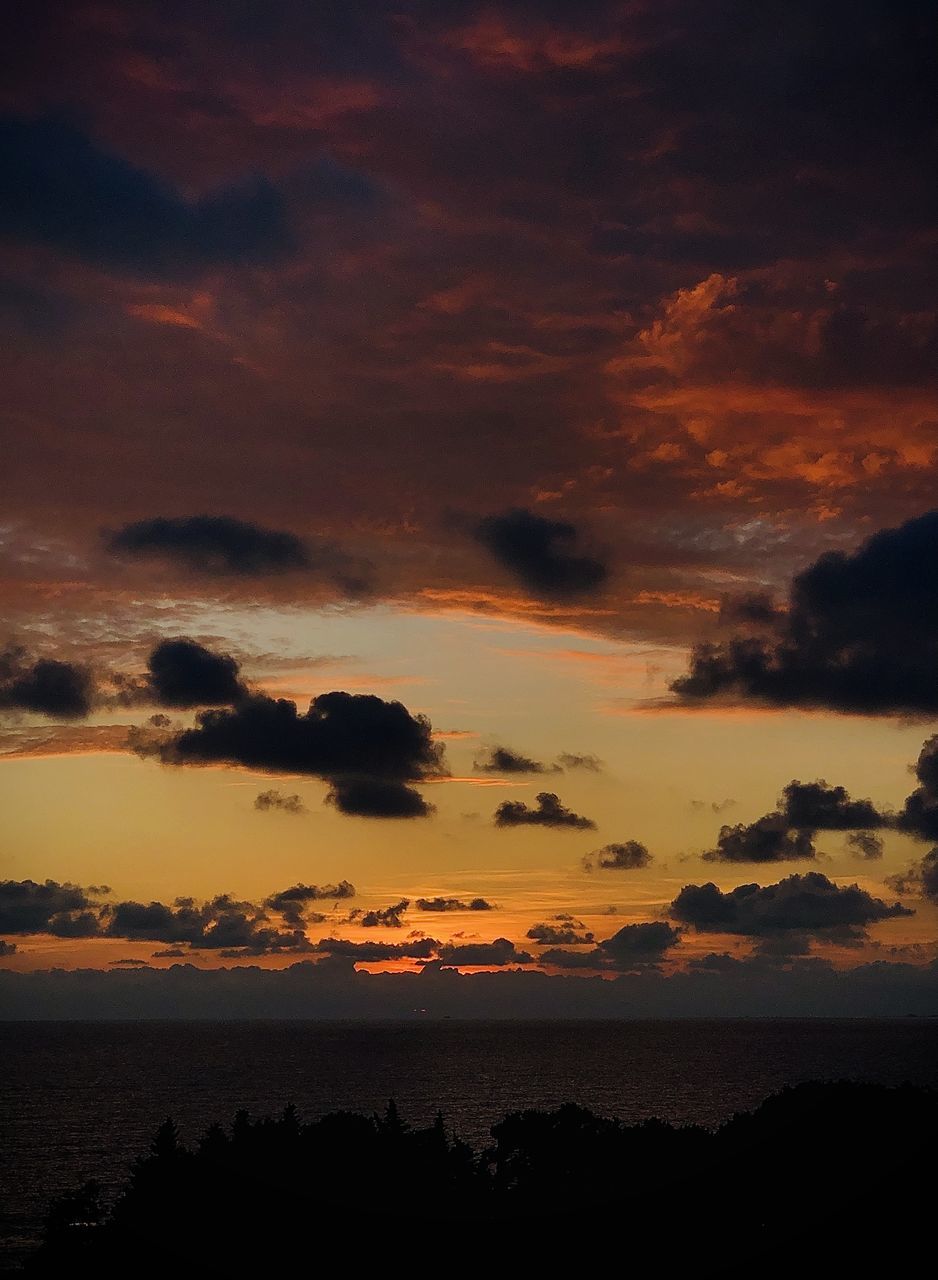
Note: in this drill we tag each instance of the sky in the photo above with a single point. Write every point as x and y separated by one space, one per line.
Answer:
469 507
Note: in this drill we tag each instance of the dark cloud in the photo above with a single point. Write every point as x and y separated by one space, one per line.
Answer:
60 690
815 806
860 634
865 844
413 949
559 934
768 839
920 879
303 893
366 748
645 941
385 917
169 953
549 813
504 760
634 946
377 798
453 904
497 953
129 962
627 856
919 815
183 673
541 553
62 189
223 924
223 546
274 799
27 907
810 904
7 948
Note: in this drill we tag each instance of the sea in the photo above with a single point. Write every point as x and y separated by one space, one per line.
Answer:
82 1100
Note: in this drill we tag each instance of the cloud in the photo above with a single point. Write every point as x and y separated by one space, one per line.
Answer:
183 673
810 904
504 760
222 924
540 553
129 962
373 952
453 904
815 806
213 545
28 907
919 815
274 799
60 690
366 748
386 917
589 763
498 953
169 953
634 946
7 948
377 798
293 903
920 879
549 813
768 839
62 189
860 634
559 934
865 844
628 856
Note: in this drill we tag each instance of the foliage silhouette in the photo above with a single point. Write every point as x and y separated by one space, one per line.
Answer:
820 1180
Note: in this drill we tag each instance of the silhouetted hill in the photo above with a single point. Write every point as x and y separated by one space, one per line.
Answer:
823 1180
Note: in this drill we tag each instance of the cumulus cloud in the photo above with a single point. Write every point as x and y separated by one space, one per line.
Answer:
377 798
860 634
548 813
920 879
59 690
541 553
412 949
183 673
504 760
222 924
768 839
366 748
815 806
29 907
559 933
634 946
810 904
919 816
627 856
62 189
387 917
497 953
278 800
7 948
453 904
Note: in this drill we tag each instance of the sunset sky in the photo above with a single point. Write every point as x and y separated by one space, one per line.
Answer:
565 373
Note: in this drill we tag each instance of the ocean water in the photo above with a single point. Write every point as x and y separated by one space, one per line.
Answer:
81 1100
